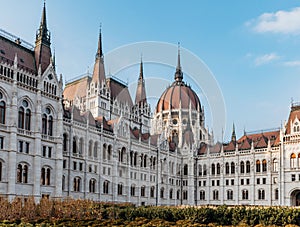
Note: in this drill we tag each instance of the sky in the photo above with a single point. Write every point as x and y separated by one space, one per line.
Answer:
251 47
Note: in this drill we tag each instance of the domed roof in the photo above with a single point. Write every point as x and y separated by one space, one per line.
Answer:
178 92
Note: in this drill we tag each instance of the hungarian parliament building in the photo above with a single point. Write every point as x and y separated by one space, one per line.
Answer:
88 139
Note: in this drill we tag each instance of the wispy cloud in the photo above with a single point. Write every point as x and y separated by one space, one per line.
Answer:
265 59
292 63
285 22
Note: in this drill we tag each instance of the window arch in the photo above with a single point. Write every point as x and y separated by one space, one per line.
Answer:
145 161
232 168
90 148
47 122
95 150
22 173
275 165
293 160
204 170
81 146
185 170
65 141
74 145
162 193
152 190
24 116
218 168
257 166
171 193
45 176
92 185
120 189
245 194
106 187
213 169
77 184
229 195
227 168
143 191
242 166
215 195
132 190
63 185
261 194
2 109
178 194
202 195
248 167
264 165
200 170
109 151
104 152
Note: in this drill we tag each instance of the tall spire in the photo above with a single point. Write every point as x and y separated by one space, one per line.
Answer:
233 136
140 96
99 50
178 74
42 43
99 72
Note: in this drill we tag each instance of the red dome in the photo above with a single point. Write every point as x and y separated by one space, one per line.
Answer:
176 93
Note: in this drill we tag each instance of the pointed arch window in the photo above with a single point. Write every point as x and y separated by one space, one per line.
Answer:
47 122
264 165
293 160
257 166
227 168
275 165
248 167
232 168
24 116
76 184
152 189
95 150
202 195
92 185
106 187
90 148
45 176
171 194
132 190
218 168
143 191
22 173
2 109
242 166
213 169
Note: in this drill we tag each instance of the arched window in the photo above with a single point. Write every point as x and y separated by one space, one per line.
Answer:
45 176
178 194
120 189
104 152
0 171
2 109
50 125
275 165
200 170
27 119
204 170
81 146
22 173
242 166
213 169
65 142
185 170
106 187
293 161
145 161
109 150
132 190
185 195
215 195
257 166
152 191
276 194
202 195
19 173
74 145
261 194
90 148
171 194
76 184
143 191
63 185
248 167
44 124
218 168
227 168
92 185
232 168
162 192
154 162
21 117
229 195
264 165
95 150
245 194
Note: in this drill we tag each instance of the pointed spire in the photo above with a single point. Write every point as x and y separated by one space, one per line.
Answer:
53 59
99 50
99 71
140 96
178 73
43 33
233 136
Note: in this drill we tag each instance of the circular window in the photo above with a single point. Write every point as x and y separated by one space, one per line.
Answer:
296 123
48 110
174 121
25 103
184 121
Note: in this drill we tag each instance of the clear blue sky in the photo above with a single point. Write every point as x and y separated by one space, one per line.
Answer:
252 47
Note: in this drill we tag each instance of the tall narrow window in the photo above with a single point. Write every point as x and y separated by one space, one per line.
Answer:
2 111
65 141
275 165
63 185
232 168
92 185
218 168
27 119
264 165
105 187
120 189
248 167
152 189
50 125
257 166
74 145
44 124
104 152
0 171
213 169
227 168
242 166
21 117
143 189
76 184
293 161
95 150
